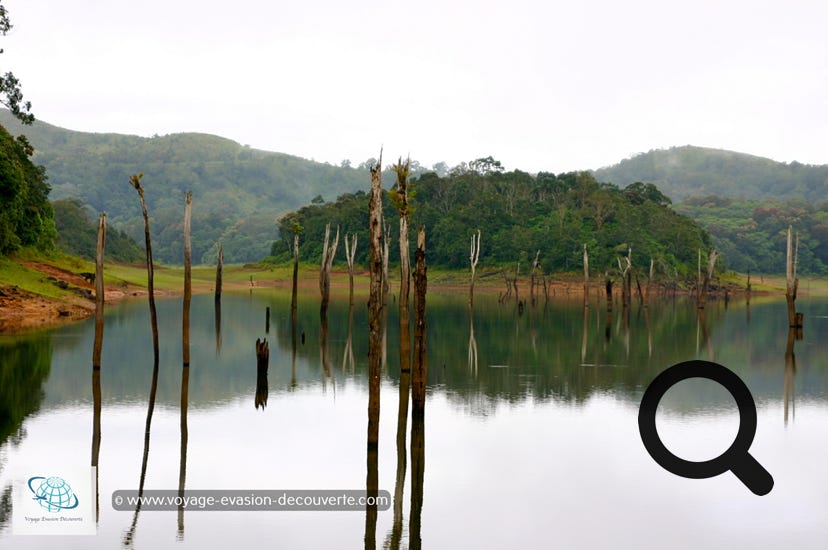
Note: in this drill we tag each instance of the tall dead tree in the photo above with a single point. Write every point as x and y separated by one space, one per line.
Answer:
219 267
399 198
328 253
135 181
386 240
474 256
374 306
708 275
99 293
350 252
188 285
586 276
418 374
791 279
295 228
533 274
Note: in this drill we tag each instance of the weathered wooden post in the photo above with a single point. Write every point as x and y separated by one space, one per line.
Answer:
474 256
328 253
418 375
267 319
135 181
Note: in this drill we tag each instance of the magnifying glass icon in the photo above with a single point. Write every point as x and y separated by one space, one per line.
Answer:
736 458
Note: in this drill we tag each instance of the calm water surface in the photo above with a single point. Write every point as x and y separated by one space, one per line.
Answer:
531 437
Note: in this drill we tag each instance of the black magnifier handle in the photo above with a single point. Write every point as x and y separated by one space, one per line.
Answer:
753 475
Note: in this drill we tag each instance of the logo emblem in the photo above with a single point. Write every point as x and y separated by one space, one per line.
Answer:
53 493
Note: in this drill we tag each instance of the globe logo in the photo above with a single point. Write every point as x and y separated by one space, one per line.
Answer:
53 493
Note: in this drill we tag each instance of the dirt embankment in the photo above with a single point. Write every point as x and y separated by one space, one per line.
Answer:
22 310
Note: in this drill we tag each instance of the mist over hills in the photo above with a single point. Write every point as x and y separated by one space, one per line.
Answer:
688 171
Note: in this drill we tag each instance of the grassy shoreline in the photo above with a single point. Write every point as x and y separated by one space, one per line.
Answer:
38 290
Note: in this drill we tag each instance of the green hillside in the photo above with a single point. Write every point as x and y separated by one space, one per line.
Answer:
238 192
681 172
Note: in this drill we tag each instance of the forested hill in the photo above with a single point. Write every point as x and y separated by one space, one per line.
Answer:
238 192
681 172
518 215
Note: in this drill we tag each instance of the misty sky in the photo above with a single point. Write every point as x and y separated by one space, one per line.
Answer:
539 85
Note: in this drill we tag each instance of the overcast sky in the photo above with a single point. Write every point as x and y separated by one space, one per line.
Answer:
539 85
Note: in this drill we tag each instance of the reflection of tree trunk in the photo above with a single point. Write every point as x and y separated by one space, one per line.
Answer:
584 333
417 474
218 326
136 183
262 358
402 426
323 349
375 309
96 434
472 345
182 467
702 324
649 333
348 362
790 375
130 534
293 348
418 394
608 326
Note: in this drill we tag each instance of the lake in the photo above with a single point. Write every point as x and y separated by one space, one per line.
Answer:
530 437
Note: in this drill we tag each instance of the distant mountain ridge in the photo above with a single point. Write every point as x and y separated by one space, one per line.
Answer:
689 171
238 192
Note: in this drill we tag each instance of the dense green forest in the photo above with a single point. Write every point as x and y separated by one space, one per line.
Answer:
688 171
519 214
77 234
751 234
238 192
26 217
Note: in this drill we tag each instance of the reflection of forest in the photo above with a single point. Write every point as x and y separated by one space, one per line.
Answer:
24 367
551 353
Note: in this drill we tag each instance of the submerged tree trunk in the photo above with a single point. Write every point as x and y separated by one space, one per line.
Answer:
474 256
219 266
295 278
99 293
791 279
375 306
418 375
328 253
135 181
188 286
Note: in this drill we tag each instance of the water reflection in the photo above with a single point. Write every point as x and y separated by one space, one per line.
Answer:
182 467
790 376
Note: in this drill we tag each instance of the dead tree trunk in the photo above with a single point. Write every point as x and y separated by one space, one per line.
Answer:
791 279
533 274
375 306
350 252
711 264
400 200
99 293
136 183
418 375
294 292
474 256
386 283
219 266
328 253
188 285
586 277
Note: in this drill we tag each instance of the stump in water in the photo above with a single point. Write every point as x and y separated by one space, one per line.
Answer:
188 286
99 293
219 265
267 319
135 181
792 281
418 375
375 306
